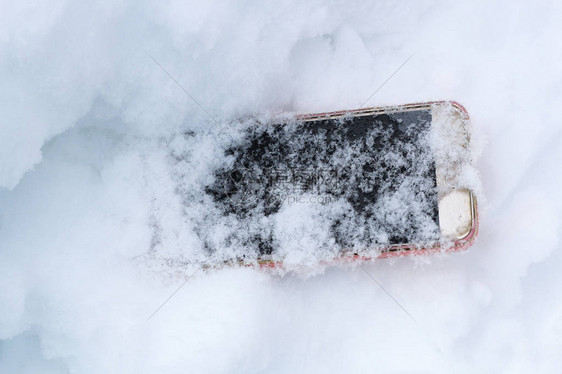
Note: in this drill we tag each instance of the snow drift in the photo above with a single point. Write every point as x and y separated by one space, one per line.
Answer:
90 134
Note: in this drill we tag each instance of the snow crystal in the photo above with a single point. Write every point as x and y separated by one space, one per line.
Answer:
364 182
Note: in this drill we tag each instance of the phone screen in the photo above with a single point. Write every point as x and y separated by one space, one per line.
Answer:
370 179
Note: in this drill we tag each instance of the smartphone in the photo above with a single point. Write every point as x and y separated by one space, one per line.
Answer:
353 185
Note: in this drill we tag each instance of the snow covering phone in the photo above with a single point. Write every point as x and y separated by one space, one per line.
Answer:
362 183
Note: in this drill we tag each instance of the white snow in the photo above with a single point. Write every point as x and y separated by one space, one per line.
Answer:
92 135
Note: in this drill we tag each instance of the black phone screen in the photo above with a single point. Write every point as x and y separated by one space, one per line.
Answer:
372 178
